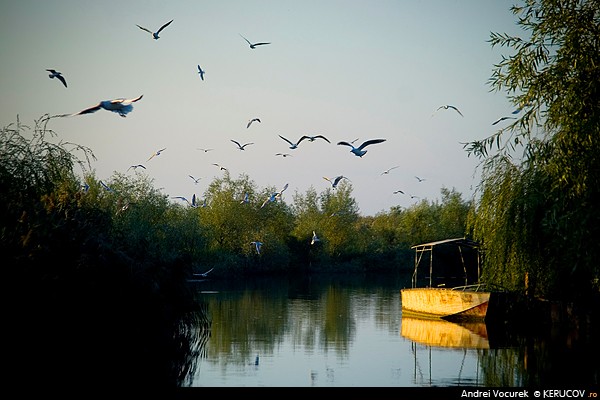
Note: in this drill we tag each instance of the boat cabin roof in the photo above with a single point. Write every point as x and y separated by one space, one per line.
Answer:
458 263
457 241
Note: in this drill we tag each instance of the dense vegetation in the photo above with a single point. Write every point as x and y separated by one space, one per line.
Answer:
537 215
56 224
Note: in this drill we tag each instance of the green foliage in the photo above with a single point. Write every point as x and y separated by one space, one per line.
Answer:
126 226
535 215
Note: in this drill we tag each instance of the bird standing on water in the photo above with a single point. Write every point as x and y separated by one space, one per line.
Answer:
155 34
358 151
55 74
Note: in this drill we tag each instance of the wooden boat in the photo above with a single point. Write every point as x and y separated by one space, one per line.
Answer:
436 292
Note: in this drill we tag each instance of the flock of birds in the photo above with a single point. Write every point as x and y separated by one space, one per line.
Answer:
123 106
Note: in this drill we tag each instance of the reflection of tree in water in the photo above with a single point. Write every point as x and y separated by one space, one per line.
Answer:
105 336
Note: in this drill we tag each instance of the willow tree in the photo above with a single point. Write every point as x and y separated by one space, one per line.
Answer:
537 213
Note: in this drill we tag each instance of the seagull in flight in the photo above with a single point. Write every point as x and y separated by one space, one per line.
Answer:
253 45
447 106
156 153
201 72
196 180
387 171
251 121
398 191
246 199
220 167
313 138
204 150
55 74
136 167
358 151
334 182
191 203
275 196
419 179
283 155
119 106
155 34
257 245
315 238
203 274
240 146
502 119
292 145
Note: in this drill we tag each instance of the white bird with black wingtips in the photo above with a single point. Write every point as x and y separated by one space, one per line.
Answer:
119 106
358 151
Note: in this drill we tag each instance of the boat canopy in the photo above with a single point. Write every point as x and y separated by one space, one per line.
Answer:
458 262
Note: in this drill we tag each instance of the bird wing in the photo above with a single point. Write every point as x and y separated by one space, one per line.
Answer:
327 179
247 144
145 29
323 137
457 110
62 79
246 39
164 26
369 142
346 144
238 144
89 110
284 187
302 138
286 140
261 43
127 101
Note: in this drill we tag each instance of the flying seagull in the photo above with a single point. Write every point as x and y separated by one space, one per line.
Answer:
204 150
358 151
201 72
220 167
253 45
387 171
283 155
241 146
191 203
502 119
334 182
292 145
246 199
119 106
419 179
155 34
257 245
315 238
196 180
313 138
136 167
398 191
275 196
55 74
447 106
156 153
203 274
251 121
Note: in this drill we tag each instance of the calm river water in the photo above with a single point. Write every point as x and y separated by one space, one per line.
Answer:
348 331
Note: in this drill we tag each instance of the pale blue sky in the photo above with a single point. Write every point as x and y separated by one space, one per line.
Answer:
344 69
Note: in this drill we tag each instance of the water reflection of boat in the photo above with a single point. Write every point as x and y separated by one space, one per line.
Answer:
442 333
